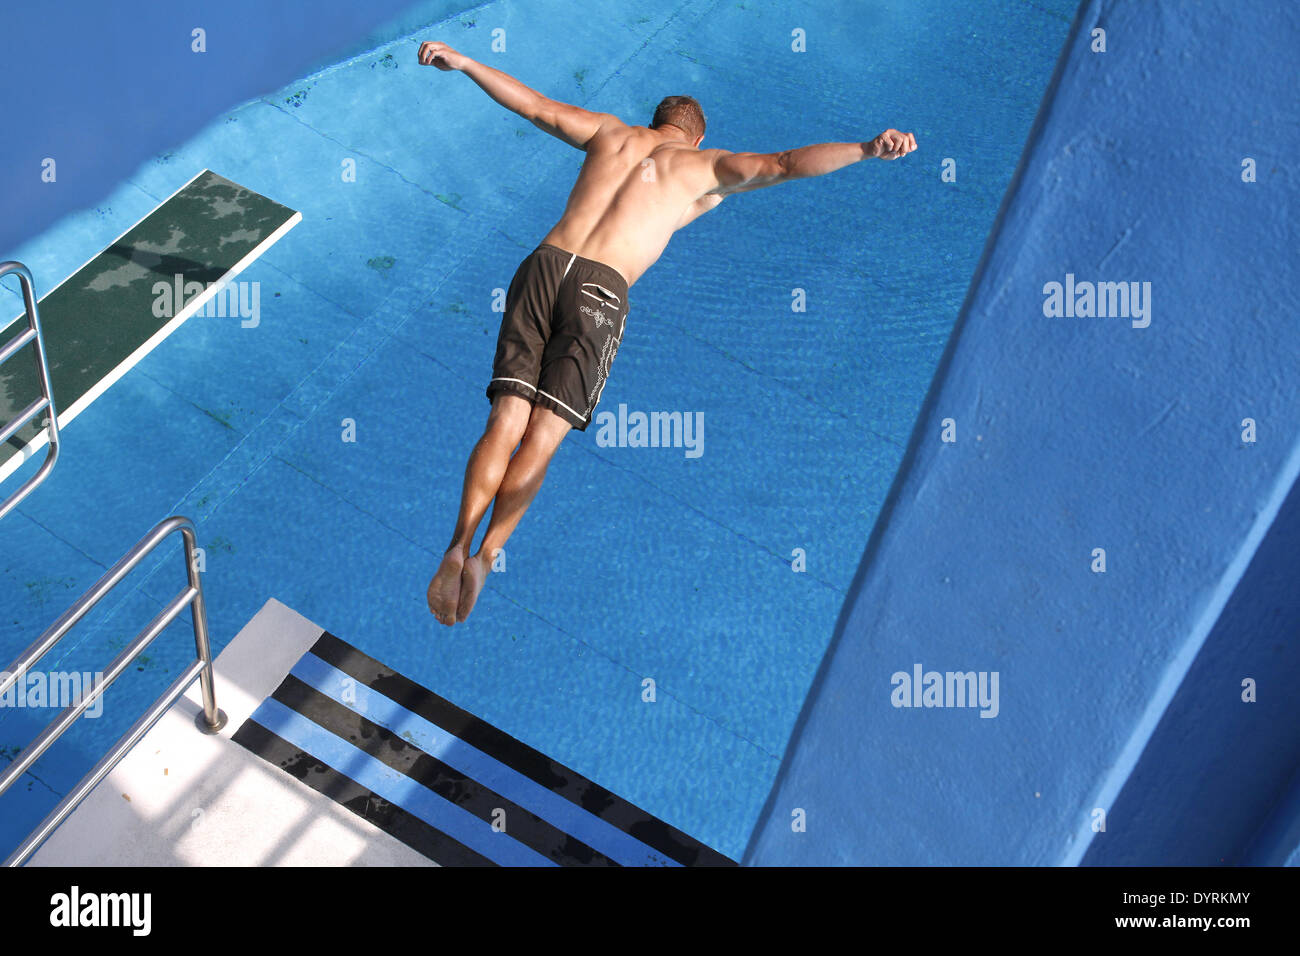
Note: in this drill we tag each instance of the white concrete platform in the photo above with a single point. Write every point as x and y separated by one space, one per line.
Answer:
183 798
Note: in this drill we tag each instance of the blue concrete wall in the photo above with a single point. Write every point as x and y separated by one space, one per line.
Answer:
1217 765
98 107
1278 841
1083 433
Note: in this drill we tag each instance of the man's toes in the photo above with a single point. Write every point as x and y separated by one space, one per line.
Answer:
439 602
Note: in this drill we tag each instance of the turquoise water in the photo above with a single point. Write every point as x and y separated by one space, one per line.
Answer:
635 563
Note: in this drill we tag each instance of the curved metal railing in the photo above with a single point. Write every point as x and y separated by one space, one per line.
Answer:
210 719
45 402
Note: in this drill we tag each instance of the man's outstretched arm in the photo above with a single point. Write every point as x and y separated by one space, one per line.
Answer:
572 124
741 172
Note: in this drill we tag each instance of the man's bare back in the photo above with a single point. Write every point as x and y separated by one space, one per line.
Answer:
567 305
636 188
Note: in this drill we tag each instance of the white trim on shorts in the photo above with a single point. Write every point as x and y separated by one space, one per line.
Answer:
519 380
581 417
591 295
617 300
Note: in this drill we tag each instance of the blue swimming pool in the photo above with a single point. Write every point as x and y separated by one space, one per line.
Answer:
800 324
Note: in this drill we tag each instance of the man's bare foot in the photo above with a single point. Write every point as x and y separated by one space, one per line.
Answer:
471 582
444 589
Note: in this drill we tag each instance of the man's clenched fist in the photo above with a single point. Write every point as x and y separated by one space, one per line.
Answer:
891 144
434 53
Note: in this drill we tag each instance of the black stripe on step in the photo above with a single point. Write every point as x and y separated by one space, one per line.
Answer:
390 818
556 777
453 786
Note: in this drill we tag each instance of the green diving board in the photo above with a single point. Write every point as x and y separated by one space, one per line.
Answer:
109 314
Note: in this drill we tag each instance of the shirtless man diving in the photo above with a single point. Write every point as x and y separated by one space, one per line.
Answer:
567 304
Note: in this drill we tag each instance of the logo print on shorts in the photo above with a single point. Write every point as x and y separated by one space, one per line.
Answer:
599 316
607 352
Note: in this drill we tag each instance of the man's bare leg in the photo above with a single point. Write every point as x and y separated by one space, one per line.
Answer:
518 488
484 472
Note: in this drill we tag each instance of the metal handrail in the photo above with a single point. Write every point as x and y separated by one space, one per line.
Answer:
46 401
210 720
